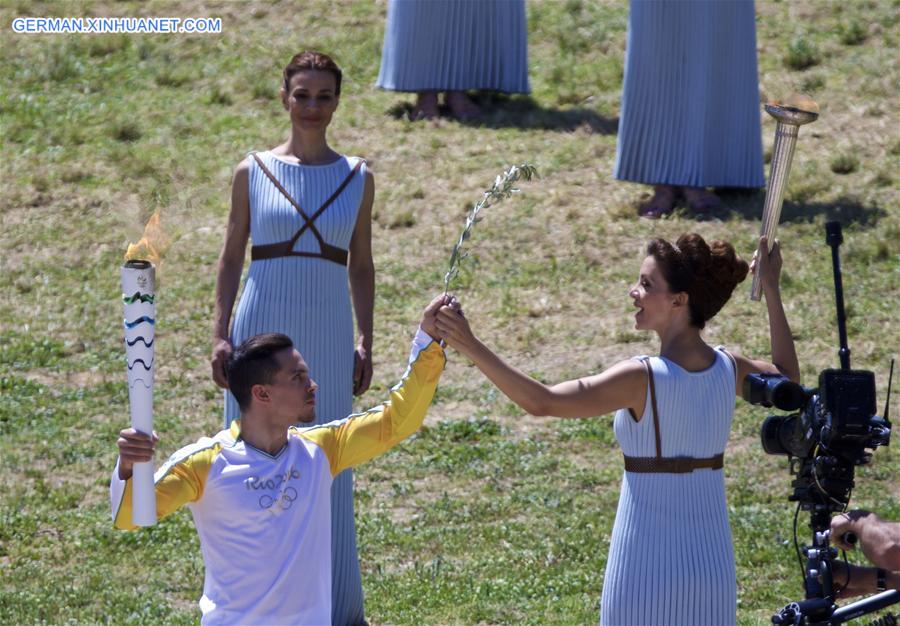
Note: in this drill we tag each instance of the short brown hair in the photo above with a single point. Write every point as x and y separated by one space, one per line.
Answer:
311 60
707 273
253 363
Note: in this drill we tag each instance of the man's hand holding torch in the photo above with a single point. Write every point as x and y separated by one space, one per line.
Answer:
134 447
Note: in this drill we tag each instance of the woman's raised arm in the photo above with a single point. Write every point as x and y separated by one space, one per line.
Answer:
784 355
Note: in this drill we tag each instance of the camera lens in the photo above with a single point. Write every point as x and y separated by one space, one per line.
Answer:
788 396
776 432
774 390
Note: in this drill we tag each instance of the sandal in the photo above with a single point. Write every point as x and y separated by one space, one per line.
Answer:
662 203
700 200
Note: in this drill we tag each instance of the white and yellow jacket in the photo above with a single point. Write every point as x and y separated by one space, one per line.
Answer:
265 521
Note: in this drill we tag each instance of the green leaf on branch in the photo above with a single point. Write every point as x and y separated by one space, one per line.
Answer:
501 189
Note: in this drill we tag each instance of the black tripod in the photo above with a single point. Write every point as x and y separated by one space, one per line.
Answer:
823 486
818 609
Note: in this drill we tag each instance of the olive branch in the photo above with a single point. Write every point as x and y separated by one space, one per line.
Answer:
502 188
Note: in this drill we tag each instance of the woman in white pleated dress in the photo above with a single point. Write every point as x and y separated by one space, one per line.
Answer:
671 559
308 210
453 46
690 114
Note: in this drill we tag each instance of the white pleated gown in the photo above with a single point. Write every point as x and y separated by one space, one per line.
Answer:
690 111
671 558
455 45
308 299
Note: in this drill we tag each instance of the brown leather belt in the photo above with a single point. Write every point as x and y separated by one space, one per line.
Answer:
671 465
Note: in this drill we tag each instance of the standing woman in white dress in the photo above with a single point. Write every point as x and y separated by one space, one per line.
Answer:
453 46
670 559
690 114
308 210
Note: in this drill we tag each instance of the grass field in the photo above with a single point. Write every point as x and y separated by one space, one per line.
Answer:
487 515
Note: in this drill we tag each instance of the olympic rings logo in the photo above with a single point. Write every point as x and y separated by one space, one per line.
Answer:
284 501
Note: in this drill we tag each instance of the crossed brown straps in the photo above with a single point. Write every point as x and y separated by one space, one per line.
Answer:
660 464
286 248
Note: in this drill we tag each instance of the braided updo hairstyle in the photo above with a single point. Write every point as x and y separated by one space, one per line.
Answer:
707 273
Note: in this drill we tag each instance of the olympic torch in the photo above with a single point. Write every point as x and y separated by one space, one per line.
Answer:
139 296
790 116
138 276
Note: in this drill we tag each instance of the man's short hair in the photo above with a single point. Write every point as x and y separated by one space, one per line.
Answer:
254 363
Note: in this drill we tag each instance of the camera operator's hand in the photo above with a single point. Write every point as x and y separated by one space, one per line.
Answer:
878 539
850 522
863 580
767 263
859 582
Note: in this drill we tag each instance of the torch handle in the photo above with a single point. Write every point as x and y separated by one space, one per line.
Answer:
782 155
143 506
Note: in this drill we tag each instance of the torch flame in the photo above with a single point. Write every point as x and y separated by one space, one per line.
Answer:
801 102
152 245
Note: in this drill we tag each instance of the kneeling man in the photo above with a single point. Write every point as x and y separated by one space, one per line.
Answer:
260 492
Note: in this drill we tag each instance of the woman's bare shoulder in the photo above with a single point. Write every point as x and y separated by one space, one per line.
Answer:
364 163
629 372
242 171
628 366
243 165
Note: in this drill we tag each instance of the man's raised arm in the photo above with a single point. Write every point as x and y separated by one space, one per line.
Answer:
363 436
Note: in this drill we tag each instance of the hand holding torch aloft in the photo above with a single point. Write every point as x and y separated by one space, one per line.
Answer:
790 117
138 296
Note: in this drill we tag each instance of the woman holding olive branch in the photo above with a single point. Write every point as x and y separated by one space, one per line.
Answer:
670 559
